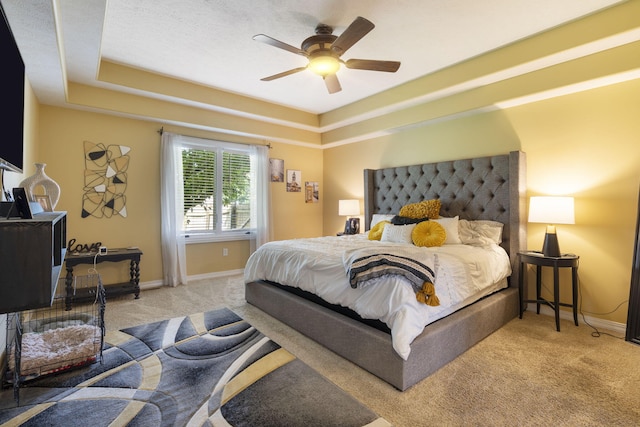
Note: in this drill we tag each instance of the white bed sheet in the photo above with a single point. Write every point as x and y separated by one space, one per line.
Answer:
463 274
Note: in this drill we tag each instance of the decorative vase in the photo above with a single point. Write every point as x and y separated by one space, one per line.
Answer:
40 178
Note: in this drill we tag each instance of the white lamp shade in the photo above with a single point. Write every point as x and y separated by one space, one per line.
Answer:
348 207
552 210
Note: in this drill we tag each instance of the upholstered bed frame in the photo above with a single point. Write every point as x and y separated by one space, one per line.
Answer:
481 188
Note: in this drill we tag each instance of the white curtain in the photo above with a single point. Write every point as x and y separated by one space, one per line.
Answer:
174 265
260 218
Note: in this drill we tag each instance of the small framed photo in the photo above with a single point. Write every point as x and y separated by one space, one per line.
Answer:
311 192
294 177
45 202
22 203
276 170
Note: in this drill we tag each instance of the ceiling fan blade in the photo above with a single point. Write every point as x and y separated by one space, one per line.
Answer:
333 85
373 65
277 43
354 32
283 74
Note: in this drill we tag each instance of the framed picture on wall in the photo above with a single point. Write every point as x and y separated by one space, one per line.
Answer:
294 177
276 170
311 192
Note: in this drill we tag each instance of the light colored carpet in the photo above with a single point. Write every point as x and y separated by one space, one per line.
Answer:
210 368
525 374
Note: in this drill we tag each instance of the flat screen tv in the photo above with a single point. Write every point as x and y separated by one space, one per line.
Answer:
11 100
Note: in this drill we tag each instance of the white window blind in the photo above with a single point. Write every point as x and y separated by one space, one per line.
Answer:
217 191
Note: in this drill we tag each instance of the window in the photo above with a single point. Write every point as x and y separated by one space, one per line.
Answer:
217 184
217 191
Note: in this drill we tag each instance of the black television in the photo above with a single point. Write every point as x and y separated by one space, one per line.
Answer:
11 100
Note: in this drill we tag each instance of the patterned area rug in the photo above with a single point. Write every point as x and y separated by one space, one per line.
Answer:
207 369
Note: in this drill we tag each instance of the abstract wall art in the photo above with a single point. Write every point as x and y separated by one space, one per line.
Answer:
105 180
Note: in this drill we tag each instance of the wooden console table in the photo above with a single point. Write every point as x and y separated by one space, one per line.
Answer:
113 255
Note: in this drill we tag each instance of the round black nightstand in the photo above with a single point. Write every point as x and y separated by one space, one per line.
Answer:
539 260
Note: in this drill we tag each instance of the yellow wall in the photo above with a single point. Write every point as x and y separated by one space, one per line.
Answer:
61 136
472 136
585 145
291 217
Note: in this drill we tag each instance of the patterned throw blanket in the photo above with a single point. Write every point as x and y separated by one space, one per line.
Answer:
362 267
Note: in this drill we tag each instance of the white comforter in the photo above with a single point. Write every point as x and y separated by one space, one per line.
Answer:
463 274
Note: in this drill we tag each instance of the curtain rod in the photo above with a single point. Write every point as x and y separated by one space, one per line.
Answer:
268 144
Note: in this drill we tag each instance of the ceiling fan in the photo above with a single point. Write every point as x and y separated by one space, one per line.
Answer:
325 49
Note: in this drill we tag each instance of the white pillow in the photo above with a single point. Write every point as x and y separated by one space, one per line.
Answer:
480 232
451 227
397 233
376 218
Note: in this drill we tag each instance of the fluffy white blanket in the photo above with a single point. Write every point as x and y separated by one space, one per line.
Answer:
463 274
57 348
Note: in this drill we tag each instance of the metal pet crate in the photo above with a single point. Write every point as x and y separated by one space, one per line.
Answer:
53 339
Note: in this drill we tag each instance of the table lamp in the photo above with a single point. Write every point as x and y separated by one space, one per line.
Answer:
350 208
551 210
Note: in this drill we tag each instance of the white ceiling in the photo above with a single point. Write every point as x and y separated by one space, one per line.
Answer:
209 42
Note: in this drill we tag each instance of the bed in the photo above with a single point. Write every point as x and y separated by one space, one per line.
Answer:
486 189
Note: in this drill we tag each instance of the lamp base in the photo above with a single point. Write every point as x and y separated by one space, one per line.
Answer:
550 247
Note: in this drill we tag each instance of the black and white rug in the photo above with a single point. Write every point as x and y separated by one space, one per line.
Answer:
207 369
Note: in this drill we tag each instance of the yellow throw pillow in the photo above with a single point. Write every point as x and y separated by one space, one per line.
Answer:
424 209
376 232
428 233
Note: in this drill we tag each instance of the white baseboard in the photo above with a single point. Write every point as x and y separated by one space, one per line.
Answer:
215 275
619 329
159 283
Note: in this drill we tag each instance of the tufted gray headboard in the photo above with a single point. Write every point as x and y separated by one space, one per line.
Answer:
492 187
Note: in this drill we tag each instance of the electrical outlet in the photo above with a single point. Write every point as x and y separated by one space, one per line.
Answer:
225 251
103 250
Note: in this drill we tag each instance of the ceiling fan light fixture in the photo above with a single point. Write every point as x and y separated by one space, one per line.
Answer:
324 51
324 65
